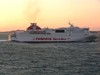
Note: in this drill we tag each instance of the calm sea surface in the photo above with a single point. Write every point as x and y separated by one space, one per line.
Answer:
49 58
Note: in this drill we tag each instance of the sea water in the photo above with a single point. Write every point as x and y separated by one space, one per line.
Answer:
49 58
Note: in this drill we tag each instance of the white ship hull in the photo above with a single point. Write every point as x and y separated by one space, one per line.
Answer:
38 35
47 38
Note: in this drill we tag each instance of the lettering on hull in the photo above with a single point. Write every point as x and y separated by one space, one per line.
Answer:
43 38
59 38
49 38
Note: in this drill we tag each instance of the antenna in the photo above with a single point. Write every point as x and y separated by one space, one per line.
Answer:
69 22
47 27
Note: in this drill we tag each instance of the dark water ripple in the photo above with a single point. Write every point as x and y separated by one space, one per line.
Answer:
49 58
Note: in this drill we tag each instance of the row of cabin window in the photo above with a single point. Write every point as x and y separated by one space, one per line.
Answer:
63 31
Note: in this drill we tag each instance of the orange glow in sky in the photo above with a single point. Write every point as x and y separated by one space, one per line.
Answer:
18 14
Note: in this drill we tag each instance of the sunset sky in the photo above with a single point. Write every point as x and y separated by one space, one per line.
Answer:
18 14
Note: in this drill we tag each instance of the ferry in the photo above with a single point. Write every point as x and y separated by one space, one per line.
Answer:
34 34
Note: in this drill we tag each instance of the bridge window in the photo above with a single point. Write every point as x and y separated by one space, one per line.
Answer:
59 31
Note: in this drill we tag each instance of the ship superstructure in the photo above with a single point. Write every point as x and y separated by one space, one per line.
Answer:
34 34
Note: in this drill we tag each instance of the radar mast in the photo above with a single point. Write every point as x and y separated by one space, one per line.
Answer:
71 24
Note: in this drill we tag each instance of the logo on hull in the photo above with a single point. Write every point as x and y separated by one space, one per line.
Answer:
49 38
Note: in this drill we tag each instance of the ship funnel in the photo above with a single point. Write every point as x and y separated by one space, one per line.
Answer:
33 24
